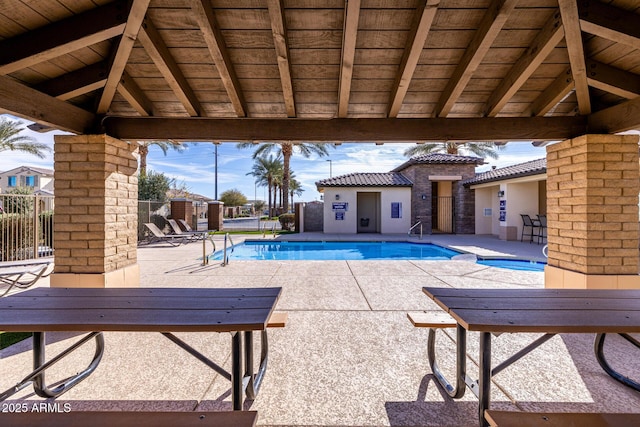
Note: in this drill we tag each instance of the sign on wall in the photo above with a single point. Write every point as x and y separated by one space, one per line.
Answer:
339 216
503 210
340 206
396 210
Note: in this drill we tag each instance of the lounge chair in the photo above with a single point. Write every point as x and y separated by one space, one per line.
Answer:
22 275
185 225
158 236
192 235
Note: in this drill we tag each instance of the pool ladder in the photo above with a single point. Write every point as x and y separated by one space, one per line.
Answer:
419 223
225 258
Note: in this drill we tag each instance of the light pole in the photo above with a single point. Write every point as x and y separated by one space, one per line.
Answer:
330 168
216 170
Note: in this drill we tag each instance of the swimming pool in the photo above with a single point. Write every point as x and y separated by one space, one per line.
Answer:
285 250
513 264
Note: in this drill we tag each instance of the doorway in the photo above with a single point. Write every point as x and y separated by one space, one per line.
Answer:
368 212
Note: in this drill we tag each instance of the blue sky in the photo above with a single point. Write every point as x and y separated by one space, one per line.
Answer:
194 167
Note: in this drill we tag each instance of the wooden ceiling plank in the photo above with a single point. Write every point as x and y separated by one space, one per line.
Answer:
162 58
279 30
135 17
555 93
526 65
620 118
610 22
575 49
425 13
30 104
613 80
346 129
215 43
349 36
76 83
134 95
62 37
488 30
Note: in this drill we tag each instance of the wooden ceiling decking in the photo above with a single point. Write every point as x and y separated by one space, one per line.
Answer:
323 70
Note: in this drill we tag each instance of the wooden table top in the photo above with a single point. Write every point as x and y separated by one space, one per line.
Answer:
138 309
541 310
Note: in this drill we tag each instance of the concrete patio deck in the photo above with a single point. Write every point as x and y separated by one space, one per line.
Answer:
348 355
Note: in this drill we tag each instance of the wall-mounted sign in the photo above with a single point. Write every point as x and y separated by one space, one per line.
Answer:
340 206
339 216
503 205
396 210
503 215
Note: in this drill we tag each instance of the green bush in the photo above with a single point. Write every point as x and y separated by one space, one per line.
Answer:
287 221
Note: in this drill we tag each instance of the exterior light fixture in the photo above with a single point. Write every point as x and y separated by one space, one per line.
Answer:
337 197
500 193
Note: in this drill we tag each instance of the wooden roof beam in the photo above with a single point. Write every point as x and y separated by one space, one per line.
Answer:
352 130
526 65
123 50
556 92
620 118
575 48
488 30
62 37
425 13
349 35
76 83
134 95
613 80
30 104
610 22
279 31
217 49
166 64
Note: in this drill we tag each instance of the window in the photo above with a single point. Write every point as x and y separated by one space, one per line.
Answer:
30 181
11 182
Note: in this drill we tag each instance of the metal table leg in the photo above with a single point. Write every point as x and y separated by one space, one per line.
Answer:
254 380
599 350
461 363
484 395
236 371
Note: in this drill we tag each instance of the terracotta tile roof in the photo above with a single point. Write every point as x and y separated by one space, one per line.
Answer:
386 179
439 158
533 167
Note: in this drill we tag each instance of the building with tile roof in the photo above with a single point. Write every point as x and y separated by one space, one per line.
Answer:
39 179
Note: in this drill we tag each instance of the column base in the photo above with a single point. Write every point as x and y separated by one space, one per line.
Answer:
508 233
127 277
559 278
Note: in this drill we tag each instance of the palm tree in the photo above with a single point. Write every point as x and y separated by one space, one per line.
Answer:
295 188
164 146
265 170
10 139
480 149
286 149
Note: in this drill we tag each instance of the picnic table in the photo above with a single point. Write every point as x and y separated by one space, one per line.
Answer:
548 311
95 310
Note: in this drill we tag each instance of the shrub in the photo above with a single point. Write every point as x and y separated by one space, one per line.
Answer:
287 221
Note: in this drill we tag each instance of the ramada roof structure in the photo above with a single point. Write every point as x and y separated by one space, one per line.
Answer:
323 70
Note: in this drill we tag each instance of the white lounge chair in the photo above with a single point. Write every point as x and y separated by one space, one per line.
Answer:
23 274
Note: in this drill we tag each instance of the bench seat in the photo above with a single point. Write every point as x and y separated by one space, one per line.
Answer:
543 419
431 319
130 419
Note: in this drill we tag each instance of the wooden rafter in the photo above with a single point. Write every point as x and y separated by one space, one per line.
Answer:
134 96
575 48
76 83
553 94
363 130
349 35
610 22
62 37
279 31
613 80
620 118
491 24
217 49
526 65
425 13
122 52
23 101
160 55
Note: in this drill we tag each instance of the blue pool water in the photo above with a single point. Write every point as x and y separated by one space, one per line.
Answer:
282 250
513 264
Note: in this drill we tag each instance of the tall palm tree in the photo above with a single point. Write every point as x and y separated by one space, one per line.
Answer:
143 150
286 149
10 139
480 149
295 188
264 170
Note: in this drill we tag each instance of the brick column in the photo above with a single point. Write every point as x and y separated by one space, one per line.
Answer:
183 209
592 211
96 212
215 215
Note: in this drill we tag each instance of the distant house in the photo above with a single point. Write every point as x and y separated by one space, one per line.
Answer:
426 189
39 179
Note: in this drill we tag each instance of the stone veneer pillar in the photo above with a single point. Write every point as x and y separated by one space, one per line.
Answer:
215 215
592 211
183 209
96 212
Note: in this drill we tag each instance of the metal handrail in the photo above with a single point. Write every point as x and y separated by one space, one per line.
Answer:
419 223
205 257
225 258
